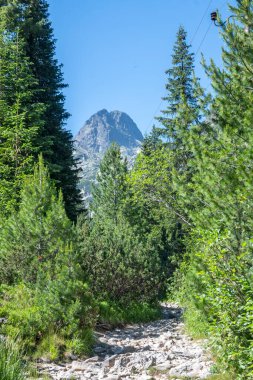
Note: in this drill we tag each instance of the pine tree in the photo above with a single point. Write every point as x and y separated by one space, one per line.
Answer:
155 209
180 92
162 176
110 191
34 236
168 182
20 119
122 266
151 142
31 18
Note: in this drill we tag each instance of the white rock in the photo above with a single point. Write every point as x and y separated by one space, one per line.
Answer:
127 354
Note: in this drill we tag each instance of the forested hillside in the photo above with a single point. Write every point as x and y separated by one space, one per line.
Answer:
177 226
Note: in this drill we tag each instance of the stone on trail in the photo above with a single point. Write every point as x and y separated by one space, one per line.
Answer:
148 351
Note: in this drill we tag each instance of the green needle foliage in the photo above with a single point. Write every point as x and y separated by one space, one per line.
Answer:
180 92
35 234
30 18
220 270
161 178
20 119
110 193
42 292
182 215
121 266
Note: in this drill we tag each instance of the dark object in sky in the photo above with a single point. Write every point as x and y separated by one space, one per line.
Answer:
214 16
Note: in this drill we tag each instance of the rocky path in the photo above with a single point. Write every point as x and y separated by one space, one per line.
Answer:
156 350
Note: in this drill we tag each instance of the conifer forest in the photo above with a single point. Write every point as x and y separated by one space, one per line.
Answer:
175 227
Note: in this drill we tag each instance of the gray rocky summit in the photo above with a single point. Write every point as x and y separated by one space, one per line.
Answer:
98 133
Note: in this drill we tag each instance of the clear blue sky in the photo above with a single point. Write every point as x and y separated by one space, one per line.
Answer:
115 52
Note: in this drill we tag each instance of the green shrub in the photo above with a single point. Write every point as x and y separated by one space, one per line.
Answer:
195 322
44 298
119 267
32 237
216 290
49 317
51 346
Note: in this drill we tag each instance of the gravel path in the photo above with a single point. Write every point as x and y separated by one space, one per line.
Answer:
156 350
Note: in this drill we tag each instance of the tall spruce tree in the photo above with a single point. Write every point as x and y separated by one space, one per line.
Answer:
31 18
163 173
185 103
20 118
180 92
179 117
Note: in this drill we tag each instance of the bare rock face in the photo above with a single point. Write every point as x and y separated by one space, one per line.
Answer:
95 137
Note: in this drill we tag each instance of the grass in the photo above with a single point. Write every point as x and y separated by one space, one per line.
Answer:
51 347
195 324
221 376
211 377
12 365
115 315
181 378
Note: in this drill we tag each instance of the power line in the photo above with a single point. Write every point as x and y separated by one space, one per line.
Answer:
203 39
197 29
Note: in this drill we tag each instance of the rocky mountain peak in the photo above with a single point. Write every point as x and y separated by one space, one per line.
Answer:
104 127
97 134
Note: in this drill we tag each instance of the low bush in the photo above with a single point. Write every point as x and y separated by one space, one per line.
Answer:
216 290
48 319
119 267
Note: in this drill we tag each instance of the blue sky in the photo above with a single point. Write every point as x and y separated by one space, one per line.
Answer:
114 52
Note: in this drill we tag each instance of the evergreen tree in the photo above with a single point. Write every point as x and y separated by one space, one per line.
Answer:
31 17
151 142
180 92
122 265
20 119
110 191
33 237
162 176
154 206
44 298
220 270
166 181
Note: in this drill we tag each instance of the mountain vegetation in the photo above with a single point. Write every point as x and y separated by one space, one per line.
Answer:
33 91
177 225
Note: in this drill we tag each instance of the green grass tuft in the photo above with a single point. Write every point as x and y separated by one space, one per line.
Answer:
115 315
12 366
195 324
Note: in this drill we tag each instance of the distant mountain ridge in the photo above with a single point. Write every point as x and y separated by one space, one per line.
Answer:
97 134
